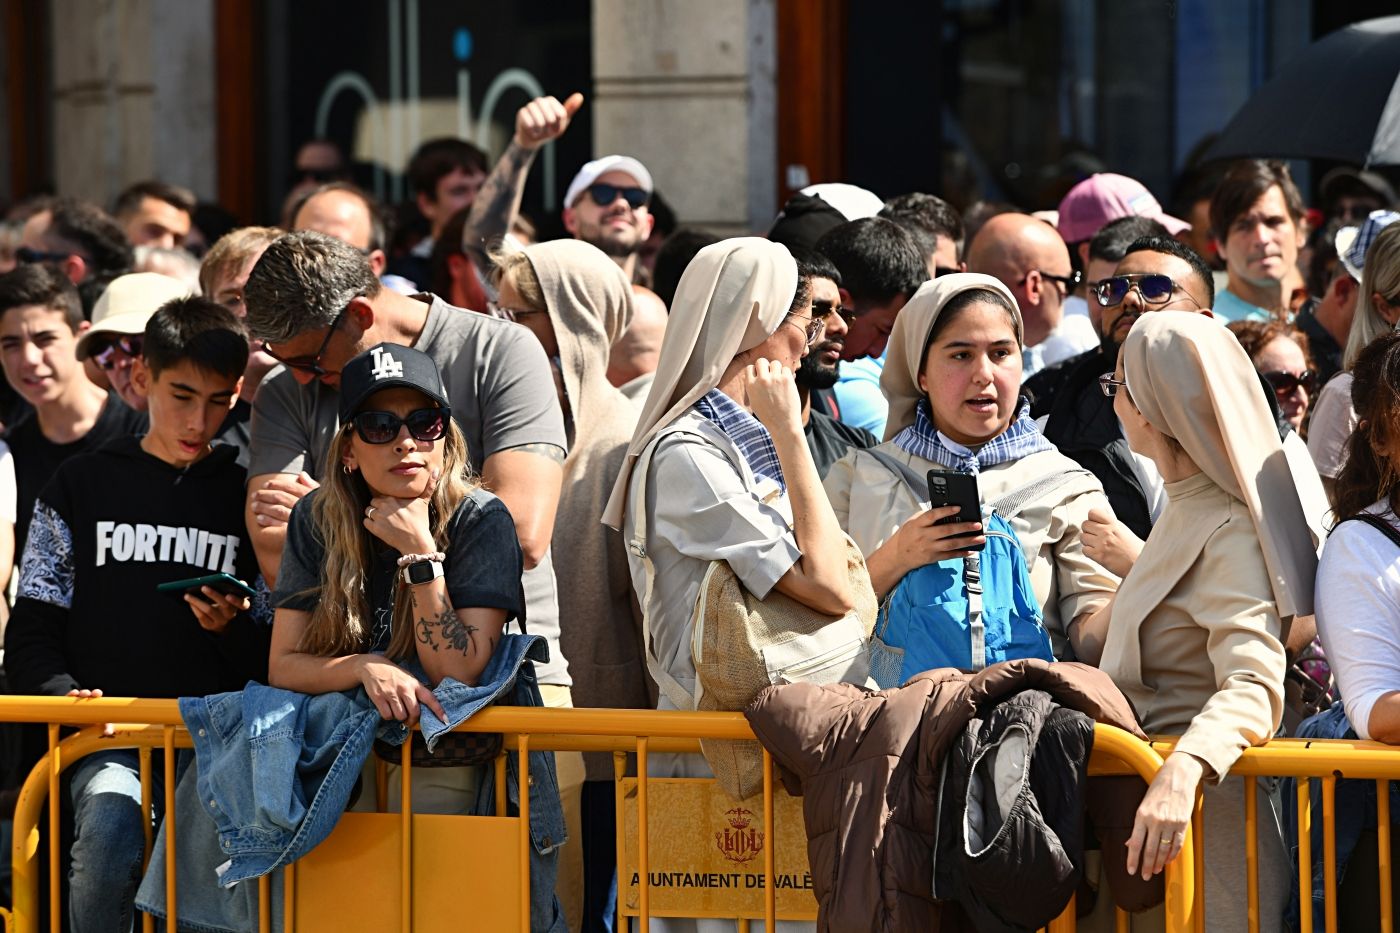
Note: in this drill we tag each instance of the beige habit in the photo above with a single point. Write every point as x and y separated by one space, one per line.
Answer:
1195 640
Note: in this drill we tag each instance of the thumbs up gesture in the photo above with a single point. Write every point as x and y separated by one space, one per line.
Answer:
544 119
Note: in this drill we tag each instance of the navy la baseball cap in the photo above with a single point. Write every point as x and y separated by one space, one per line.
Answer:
388 366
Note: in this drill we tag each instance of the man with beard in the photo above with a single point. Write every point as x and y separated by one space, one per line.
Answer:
607 206
827 438
1156 274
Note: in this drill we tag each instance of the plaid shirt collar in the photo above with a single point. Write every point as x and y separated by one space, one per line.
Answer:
1021 439
746 431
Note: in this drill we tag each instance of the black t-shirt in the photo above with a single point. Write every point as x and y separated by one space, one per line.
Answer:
37 458
829 440
483 566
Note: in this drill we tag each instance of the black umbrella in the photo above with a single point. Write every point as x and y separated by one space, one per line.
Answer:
1338 99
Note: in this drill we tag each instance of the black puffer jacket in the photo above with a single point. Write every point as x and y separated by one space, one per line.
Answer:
1011 813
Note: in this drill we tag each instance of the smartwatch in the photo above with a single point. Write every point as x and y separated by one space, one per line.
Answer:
422 571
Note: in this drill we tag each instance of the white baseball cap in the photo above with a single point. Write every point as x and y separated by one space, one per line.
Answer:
853 201
128 304
611 163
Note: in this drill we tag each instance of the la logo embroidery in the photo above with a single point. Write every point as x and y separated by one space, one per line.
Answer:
385 366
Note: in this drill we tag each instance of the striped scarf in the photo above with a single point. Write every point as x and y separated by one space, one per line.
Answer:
746 431
1021 439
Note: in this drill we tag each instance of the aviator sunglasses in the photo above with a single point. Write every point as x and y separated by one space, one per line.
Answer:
1154 287
603 194
382 427
130 344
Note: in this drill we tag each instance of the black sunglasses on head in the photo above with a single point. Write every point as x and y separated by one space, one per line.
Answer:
1284 383
604 194
382 427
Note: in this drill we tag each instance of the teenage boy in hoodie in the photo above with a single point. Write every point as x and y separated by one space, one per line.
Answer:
108 528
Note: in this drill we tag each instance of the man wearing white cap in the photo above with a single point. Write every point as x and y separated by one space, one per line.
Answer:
606 205
118 321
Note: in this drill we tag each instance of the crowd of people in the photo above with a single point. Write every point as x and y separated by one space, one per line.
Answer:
346 453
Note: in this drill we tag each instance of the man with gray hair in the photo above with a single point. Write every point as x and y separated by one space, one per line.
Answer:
315 302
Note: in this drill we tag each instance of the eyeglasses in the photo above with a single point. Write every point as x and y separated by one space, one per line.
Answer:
309 364
1154 287
1110 386
813 330
1285 383
130 344
29 256
822 309
1068 281
603 194
382 427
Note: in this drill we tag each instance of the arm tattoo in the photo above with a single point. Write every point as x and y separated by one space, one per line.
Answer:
455 634
552 451
497 202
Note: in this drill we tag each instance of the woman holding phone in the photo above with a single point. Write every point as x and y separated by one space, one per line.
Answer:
953 379
399 559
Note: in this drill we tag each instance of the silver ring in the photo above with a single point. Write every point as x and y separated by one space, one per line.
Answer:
369 512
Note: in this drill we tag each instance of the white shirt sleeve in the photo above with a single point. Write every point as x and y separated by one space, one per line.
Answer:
1358 617
9 494
1333 420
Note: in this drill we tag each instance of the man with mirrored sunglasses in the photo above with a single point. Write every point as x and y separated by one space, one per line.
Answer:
1156 273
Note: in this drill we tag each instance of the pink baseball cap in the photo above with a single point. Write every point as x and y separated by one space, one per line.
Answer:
1104 197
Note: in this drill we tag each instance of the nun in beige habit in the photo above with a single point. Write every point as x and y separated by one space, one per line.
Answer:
959 338
1194 637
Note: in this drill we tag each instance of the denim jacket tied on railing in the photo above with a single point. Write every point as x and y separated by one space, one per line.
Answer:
276 769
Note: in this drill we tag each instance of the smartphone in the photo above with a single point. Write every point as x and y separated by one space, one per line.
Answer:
228 585
958 489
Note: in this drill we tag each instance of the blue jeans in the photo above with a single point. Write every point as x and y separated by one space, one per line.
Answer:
108 839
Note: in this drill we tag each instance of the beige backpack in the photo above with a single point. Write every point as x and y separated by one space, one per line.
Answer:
741 644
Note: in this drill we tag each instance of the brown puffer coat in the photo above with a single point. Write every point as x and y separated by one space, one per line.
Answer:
867 764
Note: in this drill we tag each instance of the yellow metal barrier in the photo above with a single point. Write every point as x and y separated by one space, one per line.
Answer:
151 724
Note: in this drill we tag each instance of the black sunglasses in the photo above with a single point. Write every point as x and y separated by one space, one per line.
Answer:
130 344
29 256
1068 281
1154 287
309 364
603 194
382 427
1284 383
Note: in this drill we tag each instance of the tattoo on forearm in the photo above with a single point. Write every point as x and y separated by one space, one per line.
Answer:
498 201
452 632
552 451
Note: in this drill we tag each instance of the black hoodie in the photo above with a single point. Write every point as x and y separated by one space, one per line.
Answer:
109 527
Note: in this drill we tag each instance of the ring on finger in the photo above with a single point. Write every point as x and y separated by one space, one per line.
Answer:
369 512
1165 843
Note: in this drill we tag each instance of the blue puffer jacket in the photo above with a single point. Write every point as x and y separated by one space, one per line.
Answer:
276 769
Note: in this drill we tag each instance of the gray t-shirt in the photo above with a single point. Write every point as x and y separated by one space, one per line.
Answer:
502 393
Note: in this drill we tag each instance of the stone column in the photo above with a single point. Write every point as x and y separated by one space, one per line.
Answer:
133 95
690 89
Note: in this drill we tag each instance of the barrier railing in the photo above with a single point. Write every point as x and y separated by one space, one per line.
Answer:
366 839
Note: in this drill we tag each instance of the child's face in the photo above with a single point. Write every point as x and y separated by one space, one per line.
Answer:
187 406
38 353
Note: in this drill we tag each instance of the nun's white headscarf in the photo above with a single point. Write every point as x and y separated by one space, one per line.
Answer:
1193 382
908 338
731 298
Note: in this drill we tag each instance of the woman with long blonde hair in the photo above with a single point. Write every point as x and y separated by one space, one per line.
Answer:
400 560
